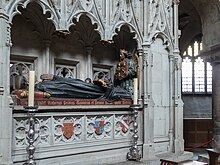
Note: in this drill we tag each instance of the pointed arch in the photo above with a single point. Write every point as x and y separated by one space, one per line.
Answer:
166 40
132 29
12 9
86 30
76 16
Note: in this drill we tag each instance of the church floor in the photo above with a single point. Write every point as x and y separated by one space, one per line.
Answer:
129 163
147 163
200 157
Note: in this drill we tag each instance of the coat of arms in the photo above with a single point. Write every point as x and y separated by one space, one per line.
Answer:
68 129
99 126
124 125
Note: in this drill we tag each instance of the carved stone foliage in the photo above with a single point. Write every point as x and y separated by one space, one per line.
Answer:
66 129
42 128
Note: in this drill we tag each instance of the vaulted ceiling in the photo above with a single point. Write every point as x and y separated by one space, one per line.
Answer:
189 23
199 18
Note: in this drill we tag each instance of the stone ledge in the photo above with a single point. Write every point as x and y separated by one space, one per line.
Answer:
68 103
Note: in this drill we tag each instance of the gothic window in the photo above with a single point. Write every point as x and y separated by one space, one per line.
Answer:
19 69
67 69
106 70
196 73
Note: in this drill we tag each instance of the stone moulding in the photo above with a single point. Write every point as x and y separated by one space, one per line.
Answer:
70 102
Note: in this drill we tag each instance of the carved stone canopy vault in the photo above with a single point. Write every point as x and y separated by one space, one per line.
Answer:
85 31
34 16
124 39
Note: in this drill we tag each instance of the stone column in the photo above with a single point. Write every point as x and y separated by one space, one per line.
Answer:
89 70
171 101
140 76
5 99
178 107
177 102
216 102
148 113
47 59
212 55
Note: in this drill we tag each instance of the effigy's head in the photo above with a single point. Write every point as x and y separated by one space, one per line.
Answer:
101 79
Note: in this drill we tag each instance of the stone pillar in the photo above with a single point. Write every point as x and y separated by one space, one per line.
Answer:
178 107
212 55
171 101
89 67
140 76
148 113
177 102
47 59
5 99
216 102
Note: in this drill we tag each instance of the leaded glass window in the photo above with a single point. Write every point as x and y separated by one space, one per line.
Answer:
196 73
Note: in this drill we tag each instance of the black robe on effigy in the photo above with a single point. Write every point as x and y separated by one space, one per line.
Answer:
61 87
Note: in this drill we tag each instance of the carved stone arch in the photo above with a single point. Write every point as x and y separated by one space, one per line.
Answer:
33 15
76 16
12 9
132 29
166 40
125 38
85 31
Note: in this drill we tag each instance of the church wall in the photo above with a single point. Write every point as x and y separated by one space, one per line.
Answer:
197 119
197 106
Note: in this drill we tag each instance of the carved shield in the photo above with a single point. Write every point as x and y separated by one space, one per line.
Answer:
99 126
68 129
124 125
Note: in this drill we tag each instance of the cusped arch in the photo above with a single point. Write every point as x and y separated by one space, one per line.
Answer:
12 10
166 40
94 20
132 28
